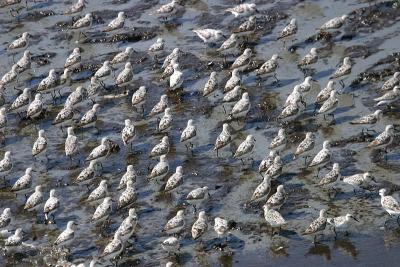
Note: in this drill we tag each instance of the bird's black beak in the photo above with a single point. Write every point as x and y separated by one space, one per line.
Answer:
354 218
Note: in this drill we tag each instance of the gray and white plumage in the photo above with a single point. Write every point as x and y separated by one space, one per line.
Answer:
5 218
330 104
67 236
267 161
76 7
24 62
341 222
14 240
176 79
290 29
176 224
245 147
161 148
306 85
3 118
6 164
168 9
175 54
114 248
35 199
310 58
128 225
76 96
359 180
369 119
389 203
262 190
306 145
10 76
223 138
197 194
233 94
157 46
166 121
189 132
279 142
51 81
116 23
229 43
244 9
318 224
325 92
247 26
66 77
51 204
233 81
343 70
128 132
334 23
139 96
90 116
269 66
104 70
99 192
83 22
209 35
129 175
99 152
392 82
160 106
200 226
23 182
125 77
35 108
128 196
323 156
242 107
21 100
123 56
103 210
175 179
292 109
385 138
276 168
160 169
171 244
273 217
21 42
389 97
71 143
220 226
294 96
211 84
40 144
169 70
331 177
87 173
243 60
278 199
73 58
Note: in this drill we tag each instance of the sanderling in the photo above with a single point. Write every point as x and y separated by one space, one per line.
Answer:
139 96
233 81
157 46
24 182
383 139
160 106
15 240
51 205
341 222
160 170
276 168
87 173
317 225
66 77
5 217
76 7
267 161
35 108
67 236
6 165
306 85
262 190
334 23
125 77
242 9
171 244
21 100
116 23
24 62
128 225
90 116
290 29
65 114
3 118
86 21
389 97
189 132
129 175
241 108
323 156
369 119
243 60
176 224
229 43
169 9
273 217
359 180
71 143
176 79
344 69
76 96
220 226
99 152
330 104
324 94
161 148
209 35
294 96
310 58
277 200
104 70
123 56
10 76
103 210
33 202
223 138
175 179
114 248
292 109
247 26
200 226
389 204
306 145
211 84
332 176
40 144
51 81
73 58
169 70
99 192
279 142
166 121
233 94
21 42
127 197
245 147
174 55
197 195
392 82
269 66
128 132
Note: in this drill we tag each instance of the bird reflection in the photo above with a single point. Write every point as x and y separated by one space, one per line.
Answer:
226 260
346 247
320 249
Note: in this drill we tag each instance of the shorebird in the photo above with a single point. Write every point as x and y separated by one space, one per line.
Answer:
323 157
24 63
392 82
10 75
174 180
324 94
139 97
169 9
200 226
341 222
35 200
221 227
76 7
331 177
232 95
241 108
40 144
224 138
269 67
197 195
99 192
50 82
209 35
245 147
73 58
279 142
248 26
359 180
21 42
104 70
71 143
276 168
330 104
389 97
171 244
51 205
305 146
188 133
369 119
128 133
160 106
318 225
290 29
334 23
160 170
128 226
102 211
24 182
176 224
343 70
233 81
231 42
176 53
129 175
6 165
267 161
310 58
22 100
157 46
273 217
83 22
99 152
211 84
128 197
5 218
277 200
125 77
161 148
87 174
166 121
90 117
116 23
67 236
113 249
243 60
176 79
390 204
123 56
262 190
384 139
243 10
35 108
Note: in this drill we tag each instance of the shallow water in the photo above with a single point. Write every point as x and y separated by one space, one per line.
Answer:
371 38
